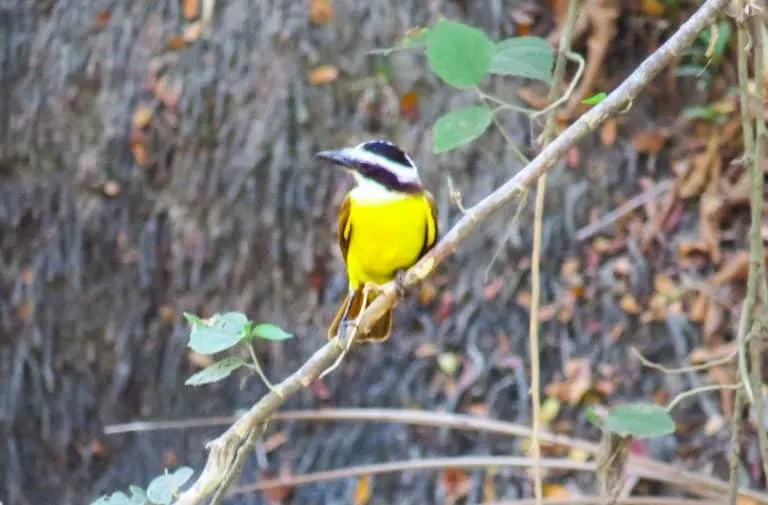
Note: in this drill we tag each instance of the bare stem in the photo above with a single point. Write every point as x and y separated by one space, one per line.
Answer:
735 453
538 218
756 247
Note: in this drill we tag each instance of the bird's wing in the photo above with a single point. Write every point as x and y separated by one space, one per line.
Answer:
431 231
345 227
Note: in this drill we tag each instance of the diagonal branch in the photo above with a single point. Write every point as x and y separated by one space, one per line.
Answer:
223 449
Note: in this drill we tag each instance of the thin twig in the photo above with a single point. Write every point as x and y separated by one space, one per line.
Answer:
698 484
703 389
538 219
579 59
756 247
685 369
746 126
411 466
222 450
256 366
734 461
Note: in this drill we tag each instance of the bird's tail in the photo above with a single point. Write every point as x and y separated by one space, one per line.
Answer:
380 330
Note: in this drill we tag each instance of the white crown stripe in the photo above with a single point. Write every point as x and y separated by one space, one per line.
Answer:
404 174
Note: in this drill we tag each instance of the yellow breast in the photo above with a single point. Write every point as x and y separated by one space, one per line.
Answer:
386 235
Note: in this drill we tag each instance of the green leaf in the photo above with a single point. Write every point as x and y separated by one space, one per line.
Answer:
221 332
215 372
459 54
162 488
530 57
193 320
595 99
700 112
460 127
270 332
118 498
138 495
641 420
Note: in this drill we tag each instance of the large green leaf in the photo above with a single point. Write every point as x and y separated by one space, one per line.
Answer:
459 54
459 127
220 332
530 57
216 372
641 420
162 488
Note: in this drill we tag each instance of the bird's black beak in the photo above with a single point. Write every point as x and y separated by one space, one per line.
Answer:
337 157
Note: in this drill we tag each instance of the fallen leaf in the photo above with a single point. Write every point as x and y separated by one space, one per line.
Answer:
456 484
169 458
362 490
142 116
111 188
279 494
427 293
492 290
713 323
448 362
532 98
102 19
409 106
629 304
193 31
140 154
549 410
556 491
711 209
609 131
324 74
176 42
320 12
649 141
653 8
734 268
190 9
698 312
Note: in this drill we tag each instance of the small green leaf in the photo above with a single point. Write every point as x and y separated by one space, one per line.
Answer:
700 112
641 420
270 332
221 332
162 488
530 57
595 99
460 127
193 320
216 372
459 54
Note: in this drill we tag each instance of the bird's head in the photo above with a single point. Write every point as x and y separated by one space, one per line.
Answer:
378 162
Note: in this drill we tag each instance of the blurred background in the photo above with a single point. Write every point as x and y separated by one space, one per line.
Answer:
158 157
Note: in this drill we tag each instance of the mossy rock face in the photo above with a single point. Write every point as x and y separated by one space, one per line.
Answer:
142 176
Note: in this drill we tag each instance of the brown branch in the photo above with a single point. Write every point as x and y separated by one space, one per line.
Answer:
222 450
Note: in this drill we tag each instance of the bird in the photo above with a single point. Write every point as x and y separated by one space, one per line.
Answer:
386 223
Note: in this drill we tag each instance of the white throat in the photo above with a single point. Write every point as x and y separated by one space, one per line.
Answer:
368 191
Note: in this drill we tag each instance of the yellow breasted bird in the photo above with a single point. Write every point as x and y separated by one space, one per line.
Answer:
387 222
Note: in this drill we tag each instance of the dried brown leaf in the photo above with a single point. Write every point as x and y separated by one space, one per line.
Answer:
362 490
609 132
649 141
190 9
324 74
320 12
734 268
630 305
